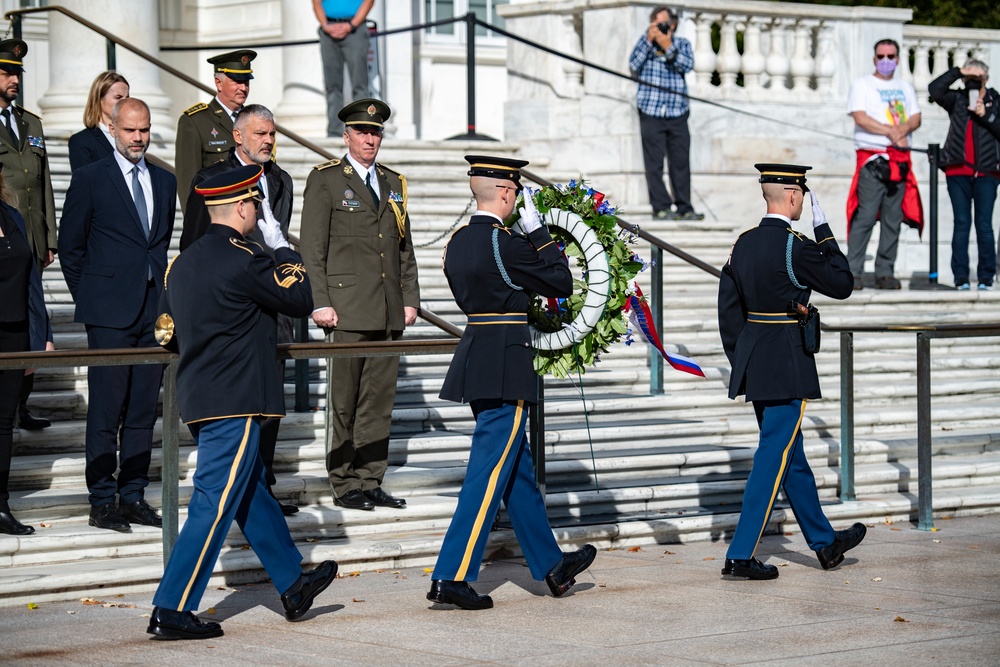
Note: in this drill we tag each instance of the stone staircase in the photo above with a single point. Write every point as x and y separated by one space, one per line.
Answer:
622 467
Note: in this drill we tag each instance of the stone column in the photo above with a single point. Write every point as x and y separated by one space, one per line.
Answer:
77 55
303 103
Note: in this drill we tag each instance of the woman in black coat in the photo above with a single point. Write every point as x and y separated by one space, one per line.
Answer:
24 325
95 141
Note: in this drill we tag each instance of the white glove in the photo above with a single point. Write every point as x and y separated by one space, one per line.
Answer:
530 220
270 228
819 217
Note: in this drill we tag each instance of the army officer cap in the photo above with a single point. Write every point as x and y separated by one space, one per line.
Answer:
235 64
786 174
12 51
503 168
232 186
367 112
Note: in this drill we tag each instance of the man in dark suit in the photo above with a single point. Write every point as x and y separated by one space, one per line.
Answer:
113 238
356 242
26 173
205 131
492 273
254 136
772 268
218 310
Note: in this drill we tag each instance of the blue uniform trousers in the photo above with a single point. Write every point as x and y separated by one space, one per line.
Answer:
499 468
780 463
229 483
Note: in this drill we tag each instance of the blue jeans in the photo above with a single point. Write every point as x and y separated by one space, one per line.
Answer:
964 190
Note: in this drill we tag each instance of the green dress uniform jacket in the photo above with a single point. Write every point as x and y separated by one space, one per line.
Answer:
26 172
204 137
360 258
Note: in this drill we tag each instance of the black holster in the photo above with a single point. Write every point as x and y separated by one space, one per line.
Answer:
809 325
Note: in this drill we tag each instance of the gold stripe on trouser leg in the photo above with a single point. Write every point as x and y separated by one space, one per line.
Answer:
477 527
218 515
780 476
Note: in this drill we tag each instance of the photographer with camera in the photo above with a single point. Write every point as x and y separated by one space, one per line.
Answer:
971 162
659 61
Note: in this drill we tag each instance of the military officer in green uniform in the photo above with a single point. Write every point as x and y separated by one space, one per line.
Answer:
356 244
25 165
205 131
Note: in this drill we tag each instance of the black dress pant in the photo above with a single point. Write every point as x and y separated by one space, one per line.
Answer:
667 138
13 338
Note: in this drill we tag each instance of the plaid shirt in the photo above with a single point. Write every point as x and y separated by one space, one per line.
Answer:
654 66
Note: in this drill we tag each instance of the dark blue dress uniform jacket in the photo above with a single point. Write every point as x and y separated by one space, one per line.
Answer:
767 359
224 294
495 361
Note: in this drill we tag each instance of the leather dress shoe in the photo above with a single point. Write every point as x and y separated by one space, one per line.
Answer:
30 422
751 569
288 509
562 576
11 526
297 599
845 540
141 512
354 500
170 624
458 593
380 498
110 517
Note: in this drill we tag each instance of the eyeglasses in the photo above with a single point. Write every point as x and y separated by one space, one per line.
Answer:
883 56
799 190
509 187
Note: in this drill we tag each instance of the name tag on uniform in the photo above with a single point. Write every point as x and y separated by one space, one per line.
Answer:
220 142
350 203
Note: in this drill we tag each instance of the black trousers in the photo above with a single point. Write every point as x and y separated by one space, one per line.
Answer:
13 338
122 411
667 138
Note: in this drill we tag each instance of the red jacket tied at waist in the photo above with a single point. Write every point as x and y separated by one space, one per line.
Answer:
913 209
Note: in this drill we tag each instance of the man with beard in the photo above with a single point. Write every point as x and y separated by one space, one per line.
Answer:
113 238
254 136
205 131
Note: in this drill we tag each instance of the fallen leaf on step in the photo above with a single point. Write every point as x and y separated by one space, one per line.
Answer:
896 529
946 518
788 534
934 529
395 572
32 605
899 619
45 525
356 573
973 546
90 601
709 558
356 600
144 615
210 610
220 588
847 582
379 571
937 541
635 548
118 605
877 579
878 608
602 585
312 539
70 611
245 547
670 552
888 520
428 570
782 564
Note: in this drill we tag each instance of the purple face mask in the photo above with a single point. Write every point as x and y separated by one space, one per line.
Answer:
885 67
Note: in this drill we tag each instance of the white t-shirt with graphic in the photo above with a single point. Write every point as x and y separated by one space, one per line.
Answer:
890 102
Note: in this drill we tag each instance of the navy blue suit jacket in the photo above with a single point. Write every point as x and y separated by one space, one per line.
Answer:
103 248
87 147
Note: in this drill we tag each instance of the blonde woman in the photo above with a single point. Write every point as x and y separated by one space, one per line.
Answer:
95 141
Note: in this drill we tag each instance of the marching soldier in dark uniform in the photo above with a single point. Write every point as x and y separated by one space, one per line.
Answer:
772 269
219 304
25 164
205 131
356 243
491 272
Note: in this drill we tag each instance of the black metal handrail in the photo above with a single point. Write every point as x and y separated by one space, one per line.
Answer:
924 333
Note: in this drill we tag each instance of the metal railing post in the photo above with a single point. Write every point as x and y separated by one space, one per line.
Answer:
847 491
656 307
302 368
15 21
112 61
933 152
925 502
170 466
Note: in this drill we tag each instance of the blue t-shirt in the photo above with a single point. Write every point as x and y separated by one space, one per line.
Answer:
341 9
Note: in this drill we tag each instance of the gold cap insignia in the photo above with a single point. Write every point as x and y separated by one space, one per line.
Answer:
17 50
371 109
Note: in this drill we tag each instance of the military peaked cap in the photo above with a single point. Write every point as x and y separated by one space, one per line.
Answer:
503 168
787 174
368 111
12 51
231 186
235 64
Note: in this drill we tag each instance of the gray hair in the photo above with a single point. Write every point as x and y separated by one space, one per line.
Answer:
973 62
252 111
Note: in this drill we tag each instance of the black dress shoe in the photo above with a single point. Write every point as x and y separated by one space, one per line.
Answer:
29 422
141 512
11 526
288 510
110 517
354 500
458 593
297 599
751 569
171 624
845 540
380 498
561 577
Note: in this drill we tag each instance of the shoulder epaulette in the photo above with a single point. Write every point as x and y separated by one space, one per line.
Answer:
745 231
326 165
166 274
800 236
502 228
192 110
241 244
388 169
30 113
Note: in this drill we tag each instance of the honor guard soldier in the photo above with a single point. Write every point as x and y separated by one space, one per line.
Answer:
219 303
205 131
356 241
763 293
492 273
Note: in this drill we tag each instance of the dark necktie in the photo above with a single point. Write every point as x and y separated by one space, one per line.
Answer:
8 121
140 208
368 184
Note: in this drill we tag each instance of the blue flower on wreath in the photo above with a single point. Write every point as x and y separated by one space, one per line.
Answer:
628 337
572 183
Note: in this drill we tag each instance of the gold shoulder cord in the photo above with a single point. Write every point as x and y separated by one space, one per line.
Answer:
400 212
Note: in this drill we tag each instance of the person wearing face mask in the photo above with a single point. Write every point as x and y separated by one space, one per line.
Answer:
885 113
971 162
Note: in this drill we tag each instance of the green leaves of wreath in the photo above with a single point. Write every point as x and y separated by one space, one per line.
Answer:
583 347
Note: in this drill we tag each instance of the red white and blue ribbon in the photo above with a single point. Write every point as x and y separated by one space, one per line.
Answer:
642 319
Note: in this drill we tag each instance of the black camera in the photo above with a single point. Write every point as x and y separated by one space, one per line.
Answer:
665 27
